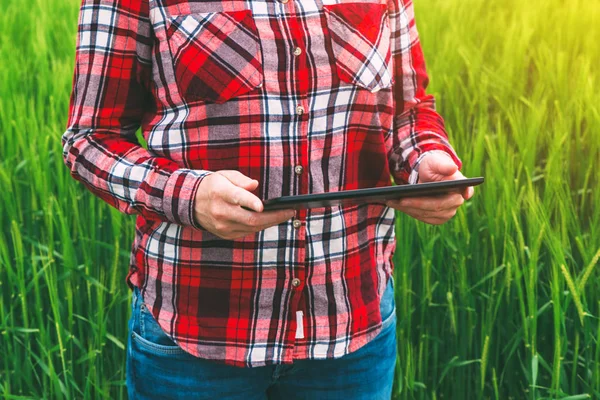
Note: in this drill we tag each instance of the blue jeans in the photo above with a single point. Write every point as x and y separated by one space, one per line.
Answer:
159 369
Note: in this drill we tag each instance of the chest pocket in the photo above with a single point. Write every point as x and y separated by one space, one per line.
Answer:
360 40
216 55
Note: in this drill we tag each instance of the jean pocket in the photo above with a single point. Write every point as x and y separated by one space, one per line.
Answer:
148 335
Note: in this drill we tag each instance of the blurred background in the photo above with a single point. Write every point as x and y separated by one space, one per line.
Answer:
502 302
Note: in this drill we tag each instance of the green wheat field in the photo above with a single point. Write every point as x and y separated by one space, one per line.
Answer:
502 302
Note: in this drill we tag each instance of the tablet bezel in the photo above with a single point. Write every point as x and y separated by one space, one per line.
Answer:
369 195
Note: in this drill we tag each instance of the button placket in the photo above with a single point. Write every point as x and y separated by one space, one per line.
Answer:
299 106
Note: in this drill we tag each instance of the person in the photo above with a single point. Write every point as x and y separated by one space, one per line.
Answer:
240 101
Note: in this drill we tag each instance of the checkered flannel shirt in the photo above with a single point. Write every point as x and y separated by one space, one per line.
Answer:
306 96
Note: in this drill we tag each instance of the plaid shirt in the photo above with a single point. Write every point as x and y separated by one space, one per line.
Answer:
305 96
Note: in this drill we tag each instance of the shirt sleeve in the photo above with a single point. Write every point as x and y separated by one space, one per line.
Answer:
418 128
111 95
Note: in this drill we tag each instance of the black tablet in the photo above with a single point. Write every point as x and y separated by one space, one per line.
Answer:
371 195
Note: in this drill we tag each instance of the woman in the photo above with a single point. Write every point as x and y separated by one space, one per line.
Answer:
240 101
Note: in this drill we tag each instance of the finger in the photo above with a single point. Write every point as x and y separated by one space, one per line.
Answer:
435 221
440 178
239 179
455 176
432 220
438 167
232 230
468 193
271 218
237 196
420 214
249 220
441 164
447 167
440 203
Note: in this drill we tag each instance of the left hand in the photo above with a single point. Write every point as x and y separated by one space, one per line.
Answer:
434 210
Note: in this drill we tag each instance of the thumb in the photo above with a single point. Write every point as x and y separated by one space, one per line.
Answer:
443 165
239 179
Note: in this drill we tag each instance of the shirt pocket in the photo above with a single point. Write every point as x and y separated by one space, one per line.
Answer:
216 55
360 40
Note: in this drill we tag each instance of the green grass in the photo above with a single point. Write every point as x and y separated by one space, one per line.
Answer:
502 302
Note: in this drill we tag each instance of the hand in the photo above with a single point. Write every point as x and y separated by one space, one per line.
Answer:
434 210
219 201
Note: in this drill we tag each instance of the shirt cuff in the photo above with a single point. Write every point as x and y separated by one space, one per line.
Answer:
414 175
180 194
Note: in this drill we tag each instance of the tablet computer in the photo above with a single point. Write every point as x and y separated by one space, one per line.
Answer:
370 195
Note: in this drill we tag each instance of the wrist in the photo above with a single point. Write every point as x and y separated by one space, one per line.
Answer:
179 196
194 221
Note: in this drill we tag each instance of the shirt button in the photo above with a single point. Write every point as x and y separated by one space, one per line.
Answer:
297 51
299 110
298 169
297 223
295 282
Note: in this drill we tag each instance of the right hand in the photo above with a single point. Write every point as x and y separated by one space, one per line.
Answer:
217 206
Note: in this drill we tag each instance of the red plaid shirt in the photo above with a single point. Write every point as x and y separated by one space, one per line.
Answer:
304 96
